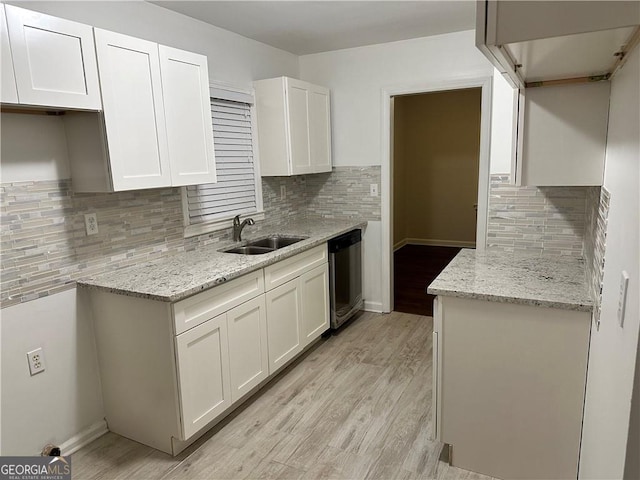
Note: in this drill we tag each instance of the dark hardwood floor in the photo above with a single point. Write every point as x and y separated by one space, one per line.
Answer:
415 267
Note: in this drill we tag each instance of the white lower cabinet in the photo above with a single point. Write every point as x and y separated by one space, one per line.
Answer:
170 371
248 353
283 319
202 355
314 293
297 310
510 380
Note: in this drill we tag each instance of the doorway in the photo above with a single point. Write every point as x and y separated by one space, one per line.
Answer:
435 194
436 155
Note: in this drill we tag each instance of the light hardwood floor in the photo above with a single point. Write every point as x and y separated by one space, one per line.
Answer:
357 406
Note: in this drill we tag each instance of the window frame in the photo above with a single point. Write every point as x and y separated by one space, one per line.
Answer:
225 91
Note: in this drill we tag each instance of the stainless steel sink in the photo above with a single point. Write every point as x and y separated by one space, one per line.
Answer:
275 242
264 245
249 250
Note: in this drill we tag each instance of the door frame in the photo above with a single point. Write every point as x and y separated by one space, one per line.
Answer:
485 83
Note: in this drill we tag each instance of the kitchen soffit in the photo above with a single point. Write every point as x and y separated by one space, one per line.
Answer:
306 27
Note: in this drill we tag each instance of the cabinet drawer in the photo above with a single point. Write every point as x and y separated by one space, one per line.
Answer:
195 310
281 272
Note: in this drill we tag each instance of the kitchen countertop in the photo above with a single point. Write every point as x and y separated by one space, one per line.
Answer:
184 274
552 281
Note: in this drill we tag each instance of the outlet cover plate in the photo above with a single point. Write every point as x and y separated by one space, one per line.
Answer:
91 223
36 361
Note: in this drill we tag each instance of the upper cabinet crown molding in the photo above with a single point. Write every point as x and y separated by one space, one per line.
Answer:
294 127
531 42
54 61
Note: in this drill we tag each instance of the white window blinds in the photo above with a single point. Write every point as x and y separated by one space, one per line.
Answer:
235 191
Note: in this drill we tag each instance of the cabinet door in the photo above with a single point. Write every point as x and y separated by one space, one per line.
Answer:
133 111
565 134
319 129
314 286
436 408
283 324
9 94
298 123
248 355
185 86
54 60
203 374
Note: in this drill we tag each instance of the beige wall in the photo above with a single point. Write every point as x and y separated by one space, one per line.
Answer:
436 154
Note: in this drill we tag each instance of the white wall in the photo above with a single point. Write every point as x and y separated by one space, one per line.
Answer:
357 78
62 402
232 58
612 357
34 148
65 399
371 279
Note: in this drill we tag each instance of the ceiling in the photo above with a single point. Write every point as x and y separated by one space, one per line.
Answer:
304 27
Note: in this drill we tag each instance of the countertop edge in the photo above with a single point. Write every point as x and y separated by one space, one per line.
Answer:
514 300
270 259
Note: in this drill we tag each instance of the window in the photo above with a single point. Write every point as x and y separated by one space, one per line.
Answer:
210 207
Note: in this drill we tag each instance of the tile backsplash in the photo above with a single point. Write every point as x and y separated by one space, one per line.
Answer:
45 248
345 193
542 220
597 214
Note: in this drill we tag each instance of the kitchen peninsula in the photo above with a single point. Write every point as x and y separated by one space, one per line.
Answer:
511 343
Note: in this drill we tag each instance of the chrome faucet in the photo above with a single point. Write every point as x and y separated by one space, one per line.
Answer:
237 227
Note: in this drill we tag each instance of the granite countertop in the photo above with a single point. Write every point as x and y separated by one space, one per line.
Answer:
184 274
553 281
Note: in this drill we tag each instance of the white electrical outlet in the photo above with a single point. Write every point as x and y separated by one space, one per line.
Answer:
622 299
373 189
36 361
91 223
283 192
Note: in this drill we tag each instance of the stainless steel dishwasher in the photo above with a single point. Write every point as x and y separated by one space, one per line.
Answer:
345 276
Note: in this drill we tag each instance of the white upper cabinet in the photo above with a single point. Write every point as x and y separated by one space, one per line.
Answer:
294 127
53 59
319 129
565 133
532 42
297 99
134 112
185 86
155 130
9 93
559 56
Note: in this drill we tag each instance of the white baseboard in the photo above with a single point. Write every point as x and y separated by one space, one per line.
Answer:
437 243
83 438
400 244
373 306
